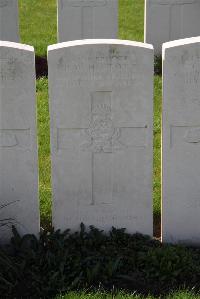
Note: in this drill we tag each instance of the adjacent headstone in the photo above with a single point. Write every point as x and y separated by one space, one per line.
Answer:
9 24
81 19
181 142
168 20
18 141
101 99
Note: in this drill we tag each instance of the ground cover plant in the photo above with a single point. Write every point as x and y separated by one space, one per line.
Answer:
91 260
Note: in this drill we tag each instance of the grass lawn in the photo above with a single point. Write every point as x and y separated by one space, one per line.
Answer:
38 28
179 295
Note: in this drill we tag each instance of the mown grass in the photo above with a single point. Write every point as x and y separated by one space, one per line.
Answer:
44 151
177 295
38 24
131 20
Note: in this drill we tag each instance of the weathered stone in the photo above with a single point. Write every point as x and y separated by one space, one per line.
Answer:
9 24
18 141
101 102
168 20
81 19
181 142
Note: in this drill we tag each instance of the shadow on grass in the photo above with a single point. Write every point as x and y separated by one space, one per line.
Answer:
158 65
157 226
41 67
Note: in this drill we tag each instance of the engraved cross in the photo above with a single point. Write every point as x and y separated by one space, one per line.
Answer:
103 140
170 5
87 14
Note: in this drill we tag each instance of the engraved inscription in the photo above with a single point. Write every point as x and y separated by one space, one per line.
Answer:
114 219
192 71
86 3
115 69
174 2
18 139
191 78
8 69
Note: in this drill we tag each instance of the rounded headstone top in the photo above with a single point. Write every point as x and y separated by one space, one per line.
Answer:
99 42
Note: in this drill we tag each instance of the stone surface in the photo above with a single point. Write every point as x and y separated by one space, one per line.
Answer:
9 26
18 145
168 20
181 142
81 19
101 99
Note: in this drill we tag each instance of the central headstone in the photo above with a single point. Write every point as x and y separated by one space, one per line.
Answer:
81 19
101 134
9 23
168 20
18 141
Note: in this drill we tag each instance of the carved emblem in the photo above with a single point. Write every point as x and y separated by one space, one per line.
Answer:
192 135
102 136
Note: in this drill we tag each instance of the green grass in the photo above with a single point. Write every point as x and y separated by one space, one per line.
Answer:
38 28
44 151
38 24
131 20
157 145
178 295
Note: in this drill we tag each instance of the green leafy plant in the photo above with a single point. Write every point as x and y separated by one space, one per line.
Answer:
6 221
59 262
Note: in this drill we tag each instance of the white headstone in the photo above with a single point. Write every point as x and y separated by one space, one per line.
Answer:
9 24
81 19
168 20
18 140
101 99
181 142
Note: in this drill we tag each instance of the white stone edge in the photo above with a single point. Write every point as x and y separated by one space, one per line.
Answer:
179 43
99 42
19 46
